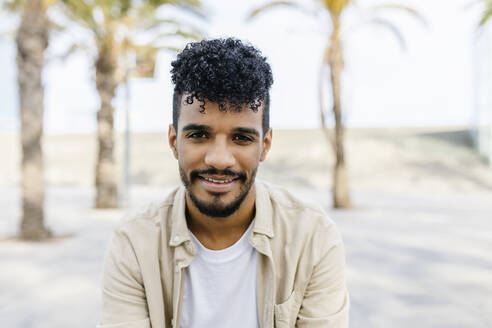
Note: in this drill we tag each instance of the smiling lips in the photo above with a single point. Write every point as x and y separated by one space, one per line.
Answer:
218 180
216 184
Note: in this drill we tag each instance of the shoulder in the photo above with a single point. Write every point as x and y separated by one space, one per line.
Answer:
294 205
294 215
148 220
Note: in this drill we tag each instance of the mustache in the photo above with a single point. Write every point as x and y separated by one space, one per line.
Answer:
213 171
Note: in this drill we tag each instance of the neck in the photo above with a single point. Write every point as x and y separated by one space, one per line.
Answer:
220 232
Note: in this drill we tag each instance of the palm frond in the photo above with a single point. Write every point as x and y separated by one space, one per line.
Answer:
154 4
195 3
81 12
392 28
73 49
272 5
193 35
193 7
146 56
117 23
13 5
150 22
162 46
487 13
172 49
179 33
398 7
53 26
50 3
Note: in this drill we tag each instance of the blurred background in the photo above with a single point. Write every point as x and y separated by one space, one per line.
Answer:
404 167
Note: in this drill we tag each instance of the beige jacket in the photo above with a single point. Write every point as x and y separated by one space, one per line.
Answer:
301 265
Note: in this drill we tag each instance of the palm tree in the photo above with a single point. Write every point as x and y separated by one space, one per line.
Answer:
32 40
113 25
333 58
487 13
484 127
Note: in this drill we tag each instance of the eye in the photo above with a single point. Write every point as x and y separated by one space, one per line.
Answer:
197 135
241 138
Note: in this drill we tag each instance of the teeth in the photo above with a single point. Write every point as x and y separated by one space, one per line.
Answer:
218 181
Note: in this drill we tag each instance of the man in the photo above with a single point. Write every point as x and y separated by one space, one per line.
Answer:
224 250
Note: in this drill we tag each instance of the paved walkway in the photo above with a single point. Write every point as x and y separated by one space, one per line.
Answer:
413 260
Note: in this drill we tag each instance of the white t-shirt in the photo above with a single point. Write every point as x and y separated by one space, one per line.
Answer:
220 287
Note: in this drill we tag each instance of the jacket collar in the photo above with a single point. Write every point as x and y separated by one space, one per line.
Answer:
263 219
179 228
264 212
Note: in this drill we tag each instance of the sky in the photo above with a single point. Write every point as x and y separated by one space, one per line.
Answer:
432 82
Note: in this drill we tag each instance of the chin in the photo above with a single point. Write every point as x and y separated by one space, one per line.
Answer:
215 207
219 204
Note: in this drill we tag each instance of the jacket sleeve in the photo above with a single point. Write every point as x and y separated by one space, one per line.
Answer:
124 303
326 301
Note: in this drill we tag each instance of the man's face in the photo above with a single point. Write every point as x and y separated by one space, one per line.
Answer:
218 154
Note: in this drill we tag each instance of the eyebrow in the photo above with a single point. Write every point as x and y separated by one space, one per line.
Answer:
247 130
196 127
203 127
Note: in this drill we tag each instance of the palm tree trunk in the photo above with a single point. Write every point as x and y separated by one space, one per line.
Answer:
321 78
32 40
341 194
106 182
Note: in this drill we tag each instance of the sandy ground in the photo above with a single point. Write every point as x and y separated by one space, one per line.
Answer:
418 243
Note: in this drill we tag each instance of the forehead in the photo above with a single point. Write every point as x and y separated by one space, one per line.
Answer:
212 116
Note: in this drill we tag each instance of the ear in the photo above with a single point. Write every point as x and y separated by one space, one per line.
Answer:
171 135
267 143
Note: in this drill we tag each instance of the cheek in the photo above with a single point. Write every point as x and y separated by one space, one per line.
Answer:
249 160
189 157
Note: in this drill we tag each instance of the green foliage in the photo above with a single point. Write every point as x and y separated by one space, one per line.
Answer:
335 8
272 5
82 12
117 24
487 13
19 5
13 5
106 17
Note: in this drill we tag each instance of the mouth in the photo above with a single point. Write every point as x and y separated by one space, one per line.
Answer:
217 184
216 180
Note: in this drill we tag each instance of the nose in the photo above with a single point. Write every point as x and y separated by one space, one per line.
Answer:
219 155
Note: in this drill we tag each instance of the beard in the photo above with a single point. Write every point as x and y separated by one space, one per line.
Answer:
217 207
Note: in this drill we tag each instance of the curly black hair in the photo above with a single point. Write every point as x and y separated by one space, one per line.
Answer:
224 71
